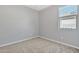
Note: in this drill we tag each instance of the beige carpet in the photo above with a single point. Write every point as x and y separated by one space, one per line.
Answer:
37 45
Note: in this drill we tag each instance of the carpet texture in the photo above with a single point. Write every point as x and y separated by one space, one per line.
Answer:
37 45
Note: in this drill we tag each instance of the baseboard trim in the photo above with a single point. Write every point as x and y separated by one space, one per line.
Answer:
6 44
66 44
10 43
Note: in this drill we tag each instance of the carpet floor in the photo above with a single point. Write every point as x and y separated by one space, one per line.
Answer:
37 45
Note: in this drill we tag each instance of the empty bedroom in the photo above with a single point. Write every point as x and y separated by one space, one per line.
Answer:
39 29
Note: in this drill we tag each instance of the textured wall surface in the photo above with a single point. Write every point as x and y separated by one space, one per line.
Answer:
17 23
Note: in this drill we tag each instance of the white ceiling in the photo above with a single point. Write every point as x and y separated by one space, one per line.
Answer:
38 7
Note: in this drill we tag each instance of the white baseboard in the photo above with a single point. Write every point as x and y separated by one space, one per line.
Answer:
66 44
6 44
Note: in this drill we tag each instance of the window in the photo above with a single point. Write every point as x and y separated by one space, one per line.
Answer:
67 16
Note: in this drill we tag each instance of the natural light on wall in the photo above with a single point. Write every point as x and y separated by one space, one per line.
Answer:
67 16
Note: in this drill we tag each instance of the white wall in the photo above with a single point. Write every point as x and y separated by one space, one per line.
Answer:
20 22
17 23
49 27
